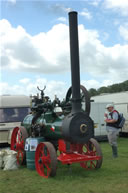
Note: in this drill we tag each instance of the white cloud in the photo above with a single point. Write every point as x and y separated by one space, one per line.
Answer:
95 83
117 5
12 1
59 8
95 2
101 61
85 13
62 19
45 52
91 84
123 30
24 80
48 52
29 87
105 36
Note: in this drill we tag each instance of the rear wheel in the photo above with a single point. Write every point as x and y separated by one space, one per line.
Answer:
18 138
46 159
92 148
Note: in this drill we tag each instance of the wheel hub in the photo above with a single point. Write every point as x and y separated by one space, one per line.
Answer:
40 161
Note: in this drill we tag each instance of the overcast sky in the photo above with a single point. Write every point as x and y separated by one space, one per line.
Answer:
34 37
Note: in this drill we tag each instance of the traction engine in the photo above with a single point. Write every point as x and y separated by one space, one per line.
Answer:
65 126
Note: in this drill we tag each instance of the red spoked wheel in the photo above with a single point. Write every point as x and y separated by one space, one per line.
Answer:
92 148
18 138
46 160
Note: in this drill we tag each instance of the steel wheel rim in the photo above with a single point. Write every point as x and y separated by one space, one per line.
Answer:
92 148
18 138
46 159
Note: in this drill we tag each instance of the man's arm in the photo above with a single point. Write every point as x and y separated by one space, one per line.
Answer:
114 119
110 120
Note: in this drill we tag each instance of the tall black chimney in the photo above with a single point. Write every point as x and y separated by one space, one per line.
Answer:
74 57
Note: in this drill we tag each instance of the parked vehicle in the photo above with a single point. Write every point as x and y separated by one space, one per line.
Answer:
13 109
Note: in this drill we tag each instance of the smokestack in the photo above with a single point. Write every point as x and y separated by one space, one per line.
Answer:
74 57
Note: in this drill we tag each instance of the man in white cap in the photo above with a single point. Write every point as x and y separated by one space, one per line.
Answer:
111 119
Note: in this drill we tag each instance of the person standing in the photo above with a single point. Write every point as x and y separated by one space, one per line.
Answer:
111 119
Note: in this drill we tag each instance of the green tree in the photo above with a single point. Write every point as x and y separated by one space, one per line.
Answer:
119 87
102 89
93 92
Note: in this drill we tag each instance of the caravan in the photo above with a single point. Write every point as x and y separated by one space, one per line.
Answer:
13 109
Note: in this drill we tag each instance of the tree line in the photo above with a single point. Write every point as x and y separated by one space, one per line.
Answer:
109 89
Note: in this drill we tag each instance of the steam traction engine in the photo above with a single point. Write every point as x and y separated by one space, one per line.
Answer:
65 126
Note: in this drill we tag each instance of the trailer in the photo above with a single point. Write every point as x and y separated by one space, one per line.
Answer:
120 101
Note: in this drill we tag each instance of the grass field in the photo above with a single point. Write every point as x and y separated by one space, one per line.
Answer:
111 178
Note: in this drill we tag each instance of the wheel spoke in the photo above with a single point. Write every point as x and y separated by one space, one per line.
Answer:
20 157
18 136
93 164
42 167
48 169
46 159
92 149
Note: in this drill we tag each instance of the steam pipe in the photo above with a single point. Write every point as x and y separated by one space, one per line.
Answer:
74 57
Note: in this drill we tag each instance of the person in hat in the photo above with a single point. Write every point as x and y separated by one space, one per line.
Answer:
111 118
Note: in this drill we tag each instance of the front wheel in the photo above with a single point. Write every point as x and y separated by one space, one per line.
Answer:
46 160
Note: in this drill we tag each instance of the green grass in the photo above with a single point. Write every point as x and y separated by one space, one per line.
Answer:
112 177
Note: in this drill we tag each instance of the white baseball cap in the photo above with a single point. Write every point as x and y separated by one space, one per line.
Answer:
109 105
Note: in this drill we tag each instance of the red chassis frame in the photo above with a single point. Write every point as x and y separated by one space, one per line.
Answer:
75 154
